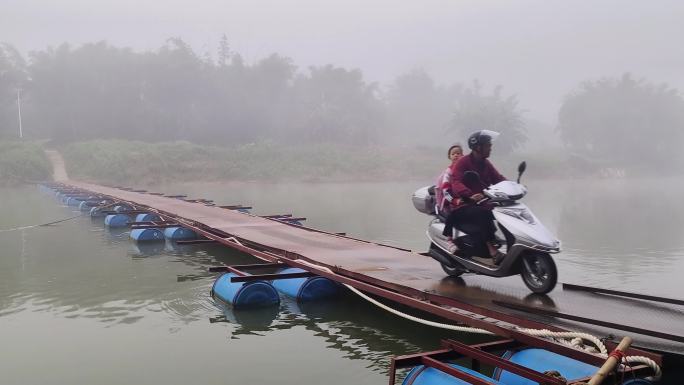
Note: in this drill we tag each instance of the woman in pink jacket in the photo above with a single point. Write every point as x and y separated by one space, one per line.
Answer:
443 194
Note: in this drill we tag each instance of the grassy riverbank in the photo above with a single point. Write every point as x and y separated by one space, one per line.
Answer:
22 162
131 162
141 163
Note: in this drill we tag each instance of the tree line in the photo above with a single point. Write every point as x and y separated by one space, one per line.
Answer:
97 90
101 91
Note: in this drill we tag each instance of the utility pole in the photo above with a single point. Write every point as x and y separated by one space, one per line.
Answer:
21 134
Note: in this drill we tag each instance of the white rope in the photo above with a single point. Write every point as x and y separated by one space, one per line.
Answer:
576 338
571 339
235 240
657 372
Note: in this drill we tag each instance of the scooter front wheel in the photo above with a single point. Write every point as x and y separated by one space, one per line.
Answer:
453 271
539 272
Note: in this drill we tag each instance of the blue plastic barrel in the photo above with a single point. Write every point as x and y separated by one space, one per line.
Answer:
423 375
96 212
142 235
543 360
637 381
85 206
117 220
122 208
306 289
244 294
179 233
74 202
147 217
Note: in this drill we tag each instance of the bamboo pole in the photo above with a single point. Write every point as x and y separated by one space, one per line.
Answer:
610 363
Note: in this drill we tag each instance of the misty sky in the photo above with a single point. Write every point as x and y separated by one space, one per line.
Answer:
538 49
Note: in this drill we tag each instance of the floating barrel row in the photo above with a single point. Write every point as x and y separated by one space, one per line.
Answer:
265 293
98 206
238 294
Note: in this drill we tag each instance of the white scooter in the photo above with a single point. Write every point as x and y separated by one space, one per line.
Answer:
529 244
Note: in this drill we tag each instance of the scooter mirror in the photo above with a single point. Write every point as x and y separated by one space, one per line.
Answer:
521 169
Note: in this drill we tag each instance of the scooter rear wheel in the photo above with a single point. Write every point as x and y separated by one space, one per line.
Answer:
539 272
453 269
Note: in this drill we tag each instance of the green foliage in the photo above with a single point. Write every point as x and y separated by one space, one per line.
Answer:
99 91
23 162
623 122
132 162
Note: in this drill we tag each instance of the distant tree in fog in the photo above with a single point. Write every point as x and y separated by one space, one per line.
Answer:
418 110
336 105
94 91
100 91
624 121
13 77
476 110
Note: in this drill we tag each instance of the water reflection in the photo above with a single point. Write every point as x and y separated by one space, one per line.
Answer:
348 324
78 270
623 234
147 249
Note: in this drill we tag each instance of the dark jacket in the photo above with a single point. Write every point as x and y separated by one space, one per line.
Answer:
467 188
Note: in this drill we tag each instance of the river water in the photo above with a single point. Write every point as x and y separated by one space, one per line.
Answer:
82 304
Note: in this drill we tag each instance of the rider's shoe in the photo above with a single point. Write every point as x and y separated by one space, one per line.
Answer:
451 247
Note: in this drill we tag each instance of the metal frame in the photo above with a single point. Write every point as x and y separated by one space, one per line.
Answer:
612 325
242 276
567 286
480 354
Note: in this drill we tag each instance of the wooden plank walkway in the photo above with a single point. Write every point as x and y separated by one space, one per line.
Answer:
413 278
415 275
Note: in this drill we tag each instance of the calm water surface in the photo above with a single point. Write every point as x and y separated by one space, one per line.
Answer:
81 304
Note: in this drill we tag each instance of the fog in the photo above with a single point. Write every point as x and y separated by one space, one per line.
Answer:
572 75
538 49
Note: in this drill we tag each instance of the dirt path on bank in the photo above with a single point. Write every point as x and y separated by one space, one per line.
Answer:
59 173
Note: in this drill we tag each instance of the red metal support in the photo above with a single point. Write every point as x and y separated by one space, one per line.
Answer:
592 321
271 277
567 286
455 372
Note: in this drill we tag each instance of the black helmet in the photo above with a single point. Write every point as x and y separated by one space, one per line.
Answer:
481 137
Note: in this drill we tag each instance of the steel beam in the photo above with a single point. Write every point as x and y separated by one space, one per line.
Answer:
567 286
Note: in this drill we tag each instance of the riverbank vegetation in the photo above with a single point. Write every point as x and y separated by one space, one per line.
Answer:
22 162
171 113
141 163
134 162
